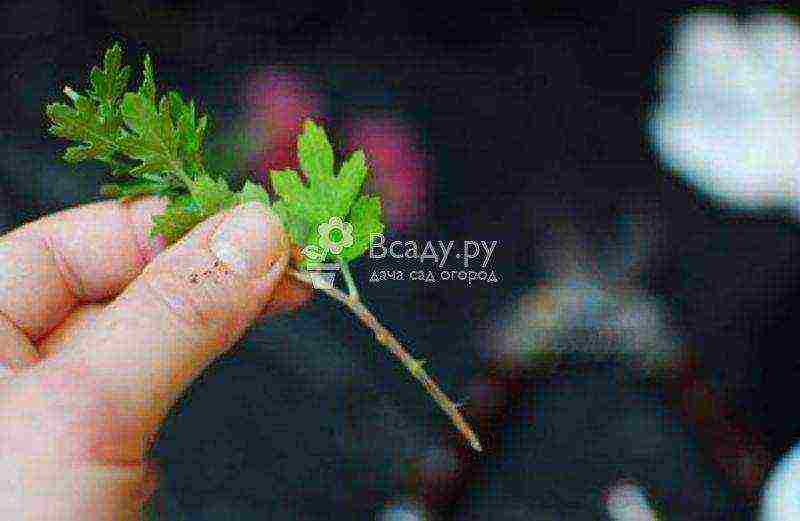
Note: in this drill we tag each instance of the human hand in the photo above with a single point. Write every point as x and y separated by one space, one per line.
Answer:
100 333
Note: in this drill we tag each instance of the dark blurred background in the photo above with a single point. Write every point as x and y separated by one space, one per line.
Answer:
641 332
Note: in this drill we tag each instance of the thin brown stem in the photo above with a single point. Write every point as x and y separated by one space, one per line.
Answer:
387 339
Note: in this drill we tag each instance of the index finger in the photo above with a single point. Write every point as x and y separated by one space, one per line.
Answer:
85 254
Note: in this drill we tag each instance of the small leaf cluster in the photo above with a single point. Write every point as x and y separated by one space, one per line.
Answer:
154 146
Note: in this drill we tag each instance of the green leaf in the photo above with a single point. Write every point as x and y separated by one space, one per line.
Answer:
178 106
82 123
299 228
184 212
107 123
315 152
253 192
351 178
107 86
202 127
126 190
139 114
304 206
302 201
181 215
212 195
153 137
366 220
109 83
147 89
76 154
168 132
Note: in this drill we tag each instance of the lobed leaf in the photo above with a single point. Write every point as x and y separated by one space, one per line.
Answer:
147 89
304 206
181 215
126 190
211 195
366 220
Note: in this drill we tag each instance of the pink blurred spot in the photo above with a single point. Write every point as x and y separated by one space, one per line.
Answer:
399 166
278 101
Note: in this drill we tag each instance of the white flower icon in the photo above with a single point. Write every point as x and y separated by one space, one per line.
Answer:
335 235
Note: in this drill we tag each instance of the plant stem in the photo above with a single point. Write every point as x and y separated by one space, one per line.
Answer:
387 339
352 290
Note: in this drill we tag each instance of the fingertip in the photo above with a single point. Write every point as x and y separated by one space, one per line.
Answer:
249 240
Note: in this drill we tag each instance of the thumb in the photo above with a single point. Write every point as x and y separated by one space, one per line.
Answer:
189 305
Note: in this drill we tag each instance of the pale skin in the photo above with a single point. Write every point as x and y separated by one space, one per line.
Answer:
102 330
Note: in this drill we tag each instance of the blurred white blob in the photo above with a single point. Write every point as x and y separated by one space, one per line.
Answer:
780 497
627 323
592 303
628 502
403 511
642 324
729 113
